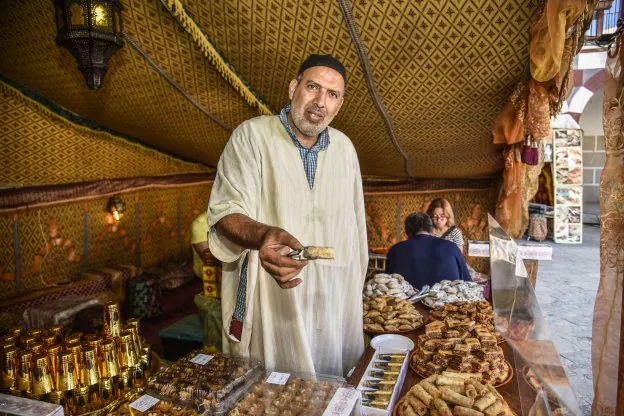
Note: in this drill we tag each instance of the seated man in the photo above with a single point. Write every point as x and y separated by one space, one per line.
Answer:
199 241
424 259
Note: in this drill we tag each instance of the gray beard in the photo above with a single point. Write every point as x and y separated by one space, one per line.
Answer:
307 128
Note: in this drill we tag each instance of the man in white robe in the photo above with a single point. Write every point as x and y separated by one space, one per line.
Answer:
284 181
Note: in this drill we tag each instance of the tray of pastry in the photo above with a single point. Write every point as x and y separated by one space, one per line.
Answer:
203 381
278 393
390 315
460 346
453 291
455 394
479 312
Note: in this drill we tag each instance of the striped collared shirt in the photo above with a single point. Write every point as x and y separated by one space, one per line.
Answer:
308 156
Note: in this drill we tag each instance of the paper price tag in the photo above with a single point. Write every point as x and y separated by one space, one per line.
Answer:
343 402
278 378
201 359
144 402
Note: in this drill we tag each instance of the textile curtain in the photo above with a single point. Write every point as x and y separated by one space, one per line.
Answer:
607 345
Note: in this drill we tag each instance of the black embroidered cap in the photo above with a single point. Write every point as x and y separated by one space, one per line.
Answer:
324 60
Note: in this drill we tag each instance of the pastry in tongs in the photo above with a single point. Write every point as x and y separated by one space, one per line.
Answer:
313 253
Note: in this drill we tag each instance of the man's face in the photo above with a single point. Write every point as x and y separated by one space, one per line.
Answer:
316 99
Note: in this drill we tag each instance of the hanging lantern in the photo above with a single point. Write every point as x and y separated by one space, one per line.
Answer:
116 206
92 31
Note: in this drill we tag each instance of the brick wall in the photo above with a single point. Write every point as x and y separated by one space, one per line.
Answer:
593 162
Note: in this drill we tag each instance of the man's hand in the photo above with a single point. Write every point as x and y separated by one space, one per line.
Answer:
277 243
273 243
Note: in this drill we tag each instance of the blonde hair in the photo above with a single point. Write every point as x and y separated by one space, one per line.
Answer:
446 207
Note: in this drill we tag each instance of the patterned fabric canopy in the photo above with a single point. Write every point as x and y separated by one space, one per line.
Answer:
440 72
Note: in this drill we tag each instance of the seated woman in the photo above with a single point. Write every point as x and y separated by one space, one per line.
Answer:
441 213
424 259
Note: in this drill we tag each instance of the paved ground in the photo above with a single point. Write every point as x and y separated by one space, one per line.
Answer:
566 290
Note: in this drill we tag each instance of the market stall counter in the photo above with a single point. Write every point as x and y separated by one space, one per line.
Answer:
510 391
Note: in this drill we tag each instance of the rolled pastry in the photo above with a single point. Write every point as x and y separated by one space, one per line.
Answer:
431 379
312 252
430 388
458 389
420 392
464 411
417 406
471 391
495 409
442 407
465 376
485 401
449 381
455 398
480 388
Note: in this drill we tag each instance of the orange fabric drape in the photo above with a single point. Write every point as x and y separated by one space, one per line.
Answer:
548 37
608 328
534 100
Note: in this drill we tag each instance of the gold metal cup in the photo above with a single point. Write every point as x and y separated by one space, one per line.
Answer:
146 359
53 359
127 354
112 319
17 331
7 346
107 390
125 382
37 348
49 340
135 325
10 339
56 397
24 377
9 369
76 351
66 378
56 330
93 340
73 338
90 375
36 333
109 365
28 342
83 400
42 379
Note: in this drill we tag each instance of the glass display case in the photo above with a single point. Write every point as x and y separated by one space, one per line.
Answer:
541 382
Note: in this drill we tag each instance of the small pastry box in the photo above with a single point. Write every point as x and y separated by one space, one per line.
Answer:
383 379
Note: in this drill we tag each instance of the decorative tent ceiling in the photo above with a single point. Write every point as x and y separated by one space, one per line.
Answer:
441 70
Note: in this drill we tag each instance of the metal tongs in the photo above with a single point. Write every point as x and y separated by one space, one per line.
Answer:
312 253
424 292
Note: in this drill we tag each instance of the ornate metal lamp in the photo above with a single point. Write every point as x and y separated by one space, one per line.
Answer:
116 206
91 31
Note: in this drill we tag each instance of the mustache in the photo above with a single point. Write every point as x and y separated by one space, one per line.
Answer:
315 108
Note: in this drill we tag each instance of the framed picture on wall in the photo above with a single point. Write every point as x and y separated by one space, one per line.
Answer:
568 185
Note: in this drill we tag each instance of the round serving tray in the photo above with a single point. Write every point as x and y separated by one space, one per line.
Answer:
368 331
551 399
395 410
496 385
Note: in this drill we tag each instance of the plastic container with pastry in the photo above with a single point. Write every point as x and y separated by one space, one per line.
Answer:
203 381
290 394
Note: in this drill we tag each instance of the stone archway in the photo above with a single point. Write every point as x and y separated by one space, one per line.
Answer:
575 106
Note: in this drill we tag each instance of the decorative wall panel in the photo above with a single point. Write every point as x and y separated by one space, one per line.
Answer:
60 228
41 147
